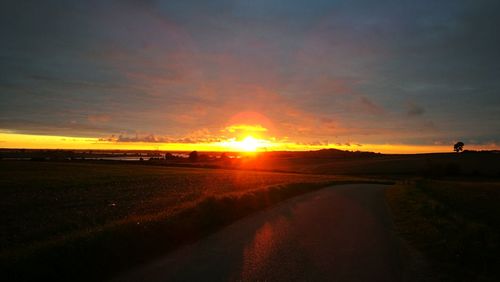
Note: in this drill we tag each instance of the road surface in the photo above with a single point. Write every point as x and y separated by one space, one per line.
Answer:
340 233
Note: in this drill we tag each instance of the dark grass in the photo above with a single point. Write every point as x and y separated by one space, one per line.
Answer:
456 224
44 200
59 224
472 164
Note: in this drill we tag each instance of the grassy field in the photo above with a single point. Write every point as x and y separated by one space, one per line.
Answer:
349 163
456 224
63 218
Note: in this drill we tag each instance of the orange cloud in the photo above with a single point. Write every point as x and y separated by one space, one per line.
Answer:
245 128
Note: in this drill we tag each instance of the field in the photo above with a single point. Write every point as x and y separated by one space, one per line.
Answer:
99 218
455 224
362 163
89 219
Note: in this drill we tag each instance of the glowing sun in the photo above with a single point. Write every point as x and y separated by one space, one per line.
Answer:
247 144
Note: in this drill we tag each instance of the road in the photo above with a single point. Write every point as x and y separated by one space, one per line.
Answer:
340 233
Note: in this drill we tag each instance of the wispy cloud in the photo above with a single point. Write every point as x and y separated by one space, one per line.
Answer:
412 109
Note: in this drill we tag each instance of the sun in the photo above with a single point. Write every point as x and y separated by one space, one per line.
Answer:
246 137
249 144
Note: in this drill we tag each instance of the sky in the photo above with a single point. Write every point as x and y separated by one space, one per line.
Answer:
390 76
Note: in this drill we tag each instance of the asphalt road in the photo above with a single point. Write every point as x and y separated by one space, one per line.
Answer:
341 233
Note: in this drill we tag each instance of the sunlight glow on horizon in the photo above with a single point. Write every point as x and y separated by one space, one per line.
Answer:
247 144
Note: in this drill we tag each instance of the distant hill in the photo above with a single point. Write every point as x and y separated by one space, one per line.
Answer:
323 153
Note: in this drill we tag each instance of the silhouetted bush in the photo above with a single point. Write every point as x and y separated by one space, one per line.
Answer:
193 156
38 159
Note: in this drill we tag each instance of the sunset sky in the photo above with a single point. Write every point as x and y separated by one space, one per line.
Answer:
388 76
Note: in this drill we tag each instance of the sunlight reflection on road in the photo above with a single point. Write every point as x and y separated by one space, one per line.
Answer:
274 251
266 242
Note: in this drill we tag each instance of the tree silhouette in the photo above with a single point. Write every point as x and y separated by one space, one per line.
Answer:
458 147
193 156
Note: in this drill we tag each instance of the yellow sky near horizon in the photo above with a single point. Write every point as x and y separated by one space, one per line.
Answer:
14 140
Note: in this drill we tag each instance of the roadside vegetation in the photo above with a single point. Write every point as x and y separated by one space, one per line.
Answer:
67 221
454 223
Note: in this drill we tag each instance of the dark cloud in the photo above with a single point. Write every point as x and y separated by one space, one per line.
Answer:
68 128
412 109
368 106
151 138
